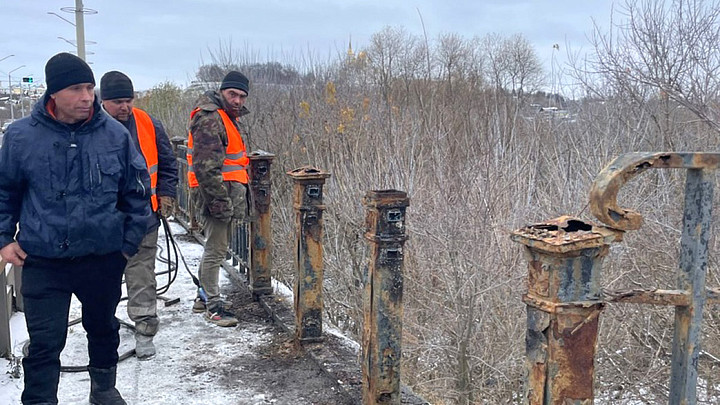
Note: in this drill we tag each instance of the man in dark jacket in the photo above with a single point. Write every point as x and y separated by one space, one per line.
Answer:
72 180
148 134
217 175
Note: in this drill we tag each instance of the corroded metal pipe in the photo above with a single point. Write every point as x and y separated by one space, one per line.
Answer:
259 276
607 185
563 307
697 218
382 296
308 205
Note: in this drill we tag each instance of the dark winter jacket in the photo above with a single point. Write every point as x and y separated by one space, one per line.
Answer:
167 164
74 192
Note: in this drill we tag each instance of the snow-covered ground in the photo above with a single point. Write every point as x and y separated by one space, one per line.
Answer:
190 352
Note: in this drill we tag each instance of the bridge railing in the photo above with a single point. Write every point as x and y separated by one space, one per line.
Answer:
565 297
382 297
10 299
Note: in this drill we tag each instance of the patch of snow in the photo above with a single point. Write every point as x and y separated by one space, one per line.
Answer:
191 352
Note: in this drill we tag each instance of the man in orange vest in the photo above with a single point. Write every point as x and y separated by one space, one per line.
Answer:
116 91
217 175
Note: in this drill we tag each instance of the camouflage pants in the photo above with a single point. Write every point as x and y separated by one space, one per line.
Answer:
217 238
141 286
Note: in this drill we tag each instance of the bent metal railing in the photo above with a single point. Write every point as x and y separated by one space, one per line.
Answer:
564 297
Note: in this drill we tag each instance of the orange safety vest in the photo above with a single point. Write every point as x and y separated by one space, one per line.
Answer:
148 146
236 160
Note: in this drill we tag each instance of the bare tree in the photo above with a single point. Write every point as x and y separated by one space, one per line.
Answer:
513 64
524 70
452 54
660 50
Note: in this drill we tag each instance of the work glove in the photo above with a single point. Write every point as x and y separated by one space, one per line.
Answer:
167 206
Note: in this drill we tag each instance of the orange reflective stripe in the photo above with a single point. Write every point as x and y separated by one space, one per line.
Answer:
148 147
192 179
236 161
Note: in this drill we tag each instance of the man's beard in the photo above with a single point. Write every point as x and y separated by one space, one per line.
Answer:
229 109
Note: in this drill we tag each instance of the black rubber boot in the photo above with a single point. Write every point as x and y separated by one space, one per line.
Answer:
102 387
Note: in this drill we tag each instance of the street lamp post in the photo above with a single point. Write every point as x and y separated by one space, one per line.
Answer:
74 45
12 111
2 59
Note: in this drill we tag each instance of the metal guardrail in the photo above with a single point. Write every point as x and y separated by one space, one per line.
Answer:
11 299
565 298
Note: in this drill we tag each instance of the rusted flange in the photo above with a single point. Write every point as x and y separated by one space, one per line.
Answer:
565 234
308 173
603 194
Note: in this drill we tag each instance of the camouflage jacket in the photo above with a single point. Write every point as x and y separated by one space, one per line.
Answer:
214 196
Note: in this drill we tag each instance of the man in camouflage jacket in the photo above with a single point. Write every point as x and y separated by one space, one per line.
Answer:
218 179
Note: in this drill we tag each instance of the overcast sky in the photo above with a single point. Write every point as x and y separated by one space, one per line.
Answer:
155 41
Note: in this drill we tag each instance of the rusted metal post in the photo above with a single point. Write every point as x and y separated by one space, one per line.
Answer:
308 205
691 296
259 276
565 256
691 278
382 296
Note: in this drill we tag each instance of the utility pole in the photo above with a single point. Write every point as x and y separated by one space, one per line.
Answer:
12 111
80 29
79 10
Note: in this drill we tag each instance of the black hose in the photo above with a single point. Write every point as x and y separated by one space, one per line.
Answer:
81 369
171 240
172 275
172 265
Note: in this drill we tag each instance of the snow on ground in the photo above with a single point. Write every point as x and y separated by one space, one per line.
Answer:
190 352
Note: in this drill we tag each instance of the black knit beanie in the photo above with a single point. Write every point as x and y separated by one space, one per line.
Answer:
236 80
116 85
64 70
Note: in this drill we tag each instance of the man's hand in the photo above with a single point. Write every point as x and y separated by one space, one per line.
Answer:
221 209
167 206
12 253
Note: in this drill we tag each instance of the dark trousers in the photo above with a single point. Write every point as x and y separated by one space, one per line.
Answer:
47 287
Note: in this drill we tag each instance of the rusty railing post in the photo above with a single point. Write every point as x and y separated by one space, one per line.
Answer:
563 306
382 296
308 205
697 217
259 276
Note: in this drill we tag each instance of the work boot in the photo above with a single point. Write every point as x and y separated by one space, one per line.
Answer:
102 387
144 347
217 314
199 305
